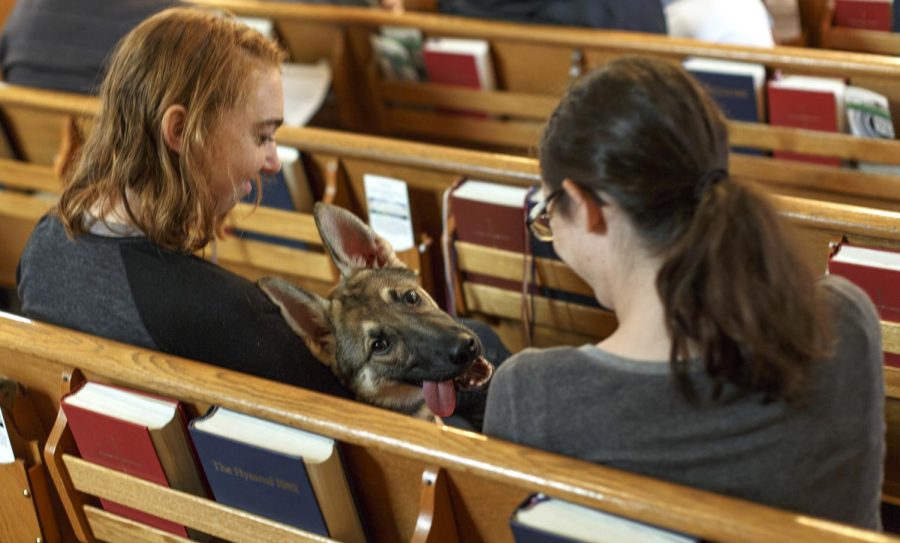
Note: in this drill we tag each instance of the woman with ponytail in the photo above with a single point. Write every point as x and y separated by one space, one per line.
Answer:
733 367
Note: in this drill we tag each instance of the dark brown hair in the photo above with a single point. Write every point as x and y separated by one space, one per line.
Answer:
188 56
732 284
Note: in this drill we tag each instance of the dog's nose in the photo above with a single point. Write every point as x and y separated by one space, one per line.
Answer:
464 350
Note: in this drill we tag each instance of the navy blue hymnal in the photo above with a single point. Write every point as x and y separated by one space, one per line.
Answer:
259 481
735 86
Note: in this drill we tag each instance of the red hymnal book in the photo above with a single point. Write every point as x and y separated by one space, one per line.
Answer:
138 434
877 272
491 215
813 103
462 63
864 14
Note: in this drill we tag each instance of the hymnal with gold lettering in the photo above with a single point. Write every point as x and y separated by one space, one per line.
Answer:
278 472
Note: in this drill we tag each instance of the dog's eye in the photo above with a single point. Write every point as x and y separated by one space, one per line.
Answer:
411 297
380 346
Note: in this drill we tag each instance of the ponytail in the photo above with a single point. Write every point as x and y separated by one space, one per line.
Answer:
735 292
738 296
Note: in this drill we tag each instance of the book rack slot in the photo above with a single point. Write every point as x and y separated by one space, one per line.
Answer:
115 529
26 508
26 503
80 481
435 523
18 507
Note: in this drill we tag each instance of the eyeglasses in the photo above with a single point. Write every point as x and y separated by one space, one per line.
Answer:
539 217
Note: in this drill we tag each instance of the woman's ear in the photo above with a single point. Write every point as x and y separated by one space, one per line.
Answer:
173 126
588 210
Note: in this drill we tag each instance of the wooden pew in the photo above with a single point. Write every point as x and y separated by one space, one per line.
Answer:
533 64
33 127
415 481
337 162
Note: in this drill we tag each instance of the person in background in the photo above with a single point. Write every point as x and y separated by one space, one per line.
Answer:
393 5
188 113
736 22
634 15
732 368
64 45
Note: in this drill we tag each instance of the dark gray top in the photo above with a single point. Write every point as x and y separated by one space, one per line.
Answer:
65 44
130 290
822 456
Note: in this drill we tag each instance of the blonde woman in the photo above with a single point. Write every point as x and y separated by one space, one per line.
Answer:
189 109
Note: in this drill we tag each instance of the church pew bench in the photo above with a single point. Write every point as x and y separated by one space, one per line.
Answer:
416 481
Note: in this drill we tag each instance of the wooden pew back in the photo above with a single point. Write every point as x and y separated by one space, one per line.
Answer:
399 466
534 63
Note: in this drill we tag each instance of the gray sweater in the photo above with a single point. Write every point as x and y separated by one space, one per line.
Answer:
822 456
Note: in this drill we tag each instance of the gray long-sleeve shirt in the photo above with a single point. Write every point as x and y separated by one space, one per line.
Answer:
822 456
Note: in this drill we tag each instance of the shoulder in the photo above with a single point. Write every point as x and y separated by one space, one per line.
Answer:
848 302
537 366
170 286
855 324
198 310
47 243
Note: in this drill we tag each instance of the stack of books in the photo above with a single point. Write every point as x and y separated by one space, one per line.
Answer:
267 469
812 103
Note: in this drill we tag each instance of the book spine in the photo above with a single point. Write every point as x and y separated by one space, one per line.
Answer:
895 8
337 498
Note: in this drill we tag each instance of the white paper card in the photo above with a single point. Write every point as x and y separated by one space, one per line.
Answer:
6 451
305 88
389 216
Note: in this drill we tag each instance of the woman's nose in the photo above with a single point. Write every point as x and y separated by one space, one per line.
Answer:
272 165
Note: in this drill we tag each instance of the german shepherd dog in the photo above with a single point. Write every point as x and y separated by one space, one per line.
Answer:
381 334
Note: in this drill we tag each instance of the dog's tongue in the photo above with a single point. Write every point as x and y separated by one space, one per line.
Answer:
440 397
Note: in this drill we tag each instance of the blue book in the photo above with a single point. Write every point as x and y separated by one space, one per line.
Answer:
547 520
895 27
278 472
737 87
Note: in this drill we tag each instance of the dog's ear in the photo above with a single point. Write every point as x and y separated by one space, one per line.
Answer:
351 243
306 313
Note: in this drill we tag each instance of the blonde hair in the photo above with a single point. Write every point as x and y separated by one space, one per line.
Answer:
191 57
